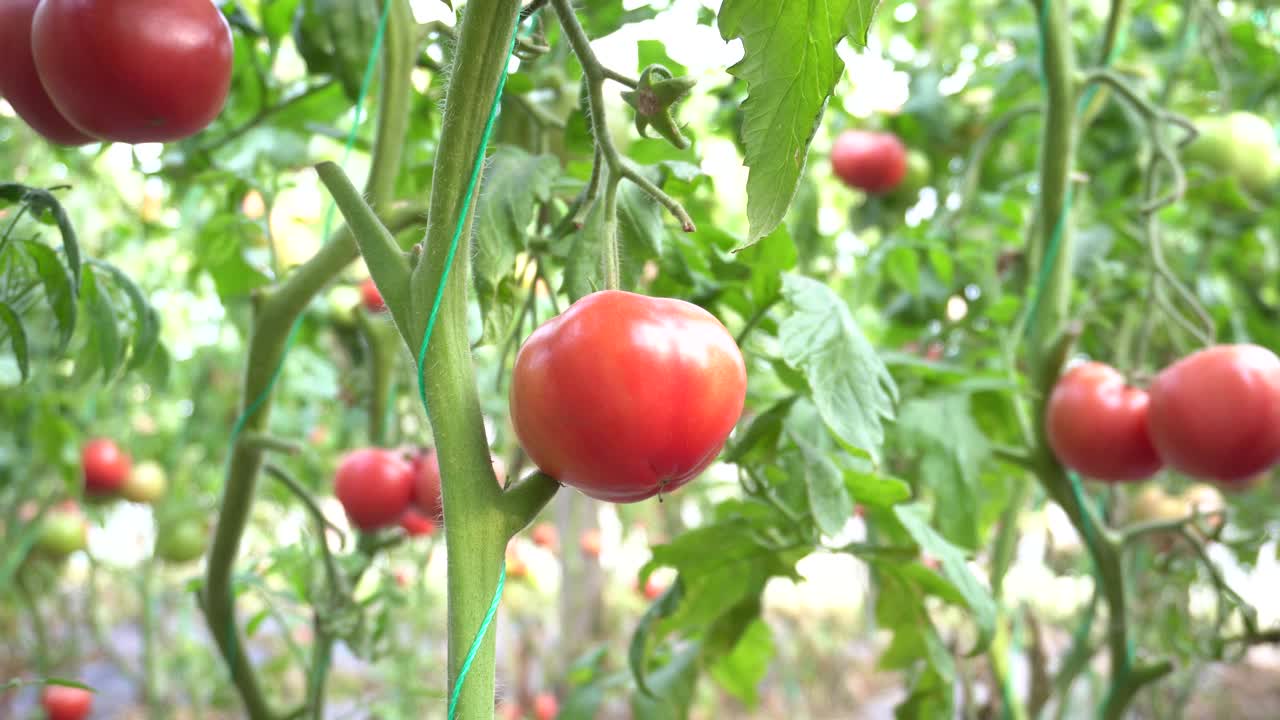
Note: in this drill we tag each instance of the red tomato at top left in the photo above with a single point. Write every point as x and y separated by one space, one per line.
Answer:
106 467
19 82
134 71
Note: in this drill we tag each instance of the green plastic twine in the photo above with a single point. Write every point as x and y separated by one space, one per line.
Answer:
426 339
253 407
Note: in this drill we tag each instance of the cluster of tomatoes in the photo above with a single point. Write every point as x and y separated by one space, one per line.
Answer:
379 488
1213 415
134 71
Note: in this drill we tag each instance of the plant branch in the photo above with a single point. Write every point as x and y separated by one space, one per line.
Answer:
272 329
596 74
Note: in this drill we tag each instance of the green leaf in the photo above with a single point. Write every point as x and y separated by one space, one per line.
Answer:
672 688
45 207
943 432
742 670
829 500
791 67
851 386
915 518
640 223
903 266
583 264
17 338
146 321
871 488
104 333
943 265
858 20
763 431
57 288
515 182
637 652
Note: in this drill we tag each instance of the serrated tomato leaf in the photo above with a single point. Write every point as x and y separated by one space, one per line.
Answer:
790 66
851 386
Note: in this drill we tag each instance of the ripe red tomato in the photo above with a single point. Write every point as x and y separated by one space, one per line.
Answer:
545 706
625 396
874 162
545 535
426 483
1215 414
371 297
590 542
106 467
134 70
653 589
374 486
19 82
416 524
66 703
1097 425
509 711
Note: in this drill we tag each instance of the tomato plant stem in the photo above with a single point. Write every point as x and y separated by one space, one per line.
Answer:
273 323
481 518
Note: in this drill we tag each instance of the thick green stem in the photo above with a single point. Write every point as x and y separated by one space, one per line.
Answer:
477 530
274 322
382 342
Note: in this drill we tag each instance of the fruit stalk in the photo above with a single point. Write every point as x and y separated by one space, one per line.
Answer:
275 318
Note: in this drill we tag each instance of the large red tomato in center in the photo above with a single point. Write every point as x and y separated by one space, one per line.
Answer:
134 70
62 702
625 396
1215 414
871 161
374 486
1097 425
19 82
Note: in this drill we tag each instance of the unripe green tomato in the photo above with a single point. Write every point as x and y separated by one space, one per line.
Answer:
1241 145
181 542
146 483
919 170
62 532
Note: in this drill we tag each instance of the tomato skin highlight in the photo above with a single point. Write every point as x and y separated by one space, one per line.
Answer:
134 71
66 703
105 466
625 396
874 162
20 83
374 486
1097 425
1215 414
